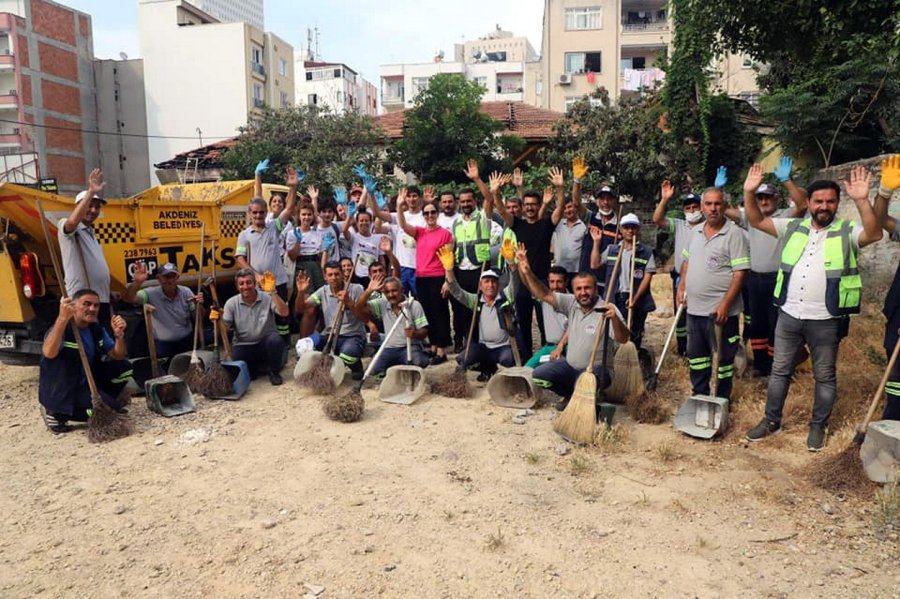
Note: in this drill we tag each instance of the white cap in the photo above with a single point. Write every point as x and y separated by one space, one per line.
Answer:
489 273
82 194
304 345
630 219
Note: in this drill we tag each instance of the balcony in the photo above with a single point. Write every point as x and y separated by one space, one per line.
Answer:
258 69
9 100
259 103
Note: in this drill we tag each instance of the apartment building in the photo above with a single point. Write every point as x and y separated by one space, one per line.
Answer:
251 12
204 78
47 92
505 65
333 85
615 44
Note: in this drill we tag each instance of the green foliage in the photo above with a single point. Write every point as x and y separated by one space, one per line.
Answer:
730 143
445 127
325 145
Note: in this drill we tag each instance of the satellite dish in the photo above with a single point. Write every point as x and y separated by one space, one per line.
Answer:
123 56
476 53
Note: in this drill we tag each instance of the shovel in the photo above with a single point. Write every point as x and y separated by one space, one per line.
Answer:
705 416
403 384
512 387
880 451
166 395
654 378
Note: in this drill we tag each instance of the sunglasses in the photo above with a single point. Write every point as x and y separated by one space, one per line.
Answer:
429 212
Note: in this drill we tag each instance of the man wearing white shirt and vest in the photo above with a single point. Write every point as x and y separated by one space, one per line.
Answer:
890 181
817 286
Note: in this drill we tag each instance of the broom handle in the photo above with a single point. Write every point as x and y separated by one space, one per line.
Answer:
151 345
671 334
413 325
599 334
631 283
85 364
339 317
226 344
513 344
717 350
374 359
881 385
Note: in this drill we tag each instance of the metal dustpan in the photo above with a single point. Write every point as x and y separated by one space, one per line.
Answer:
513 388
309 359
880 452
705 416
402 385
169 396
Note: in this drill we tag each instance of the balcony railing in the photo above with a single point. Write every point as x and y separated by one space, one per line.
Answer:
392 98
258 68
258 103
641 26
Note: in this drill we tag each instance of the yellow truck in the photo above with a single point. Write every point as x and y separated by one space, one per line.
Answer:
159 225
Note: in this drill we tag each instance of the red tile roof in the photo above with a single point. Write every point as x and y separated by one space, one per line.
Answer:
519 118
209 156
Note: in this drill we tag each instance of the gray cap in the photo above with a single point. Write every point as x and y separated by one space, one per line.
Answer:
766 190
167 269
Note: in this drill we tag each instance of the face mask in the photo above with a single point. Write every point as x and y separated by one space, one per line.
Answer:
693 217
605 212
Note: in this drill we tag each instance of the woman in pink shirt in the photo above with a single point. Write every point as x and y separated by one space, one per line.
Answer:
430 274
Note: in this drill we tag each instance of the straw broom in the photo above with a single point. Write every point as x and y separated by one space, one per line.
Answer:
456 383
578 422
628 379
105 424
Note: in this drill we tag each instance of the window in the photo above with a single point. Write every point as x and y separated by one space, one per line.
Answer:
637 62
257 91
282 67
582 62
747 62
312 99
256 55
482 81
570 100
579 19
419 84
285 101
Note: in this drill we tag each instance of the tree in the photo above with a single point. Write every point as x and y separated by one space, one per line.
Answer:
445 127
323 144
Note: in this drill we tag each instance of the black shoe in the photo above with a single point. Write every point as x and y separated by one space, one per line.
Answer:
438 359
275 378
561 404
815 441
483 377
56 423
763 430
459 346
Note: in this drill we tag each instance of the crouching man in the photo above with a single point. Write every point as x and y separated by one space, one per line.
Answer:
63 390
584 309
388 306
251 315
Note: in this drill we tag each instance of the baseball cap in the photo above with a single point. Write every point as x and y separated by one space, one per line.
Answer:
82 194
630 219
766 190
167 269
691 198
607 189
489 273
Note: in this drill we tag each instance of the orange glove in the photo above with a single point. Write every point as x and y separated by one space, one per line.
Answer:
268 282
214 313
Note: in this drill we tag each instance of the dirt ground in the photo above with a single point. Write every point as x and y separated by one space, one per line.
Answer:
444 498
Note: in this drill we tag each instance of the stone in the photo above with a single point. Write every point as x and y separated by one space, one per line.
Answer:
563 449
314 589
518 420
390 568
826 507
268 523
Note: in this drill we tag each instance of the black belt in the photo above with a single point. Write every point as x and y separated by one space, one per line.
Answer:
763 275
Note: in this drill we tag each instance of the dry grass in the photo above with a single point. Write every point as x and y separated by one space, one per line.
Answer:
648 408
455 384
579 465
106 424
665 452
318 378
344 408
610 439
887 501
842 471
494 541
532 457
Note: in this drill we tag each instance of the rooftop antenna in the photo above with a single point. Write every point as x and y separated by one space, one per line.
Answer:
309 40
317 42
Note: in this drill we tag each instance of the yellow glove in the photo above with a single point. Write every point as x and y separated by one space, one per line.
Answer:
445 255
214 313
579 168
268 282
890 175
508 250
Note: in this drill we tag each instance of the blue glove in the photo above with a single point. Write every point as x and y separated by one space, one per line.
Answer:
380 200
328 242
721 177
298 234
262 166
340 195
783 170
360 170
371 185
300 175
351 209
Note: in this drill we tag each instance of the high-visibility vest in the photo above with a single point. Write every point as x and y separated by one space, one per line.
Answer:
472 239
843 285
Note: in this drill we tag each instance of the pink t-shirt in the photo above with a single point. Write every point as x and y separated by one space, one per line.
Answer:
427 244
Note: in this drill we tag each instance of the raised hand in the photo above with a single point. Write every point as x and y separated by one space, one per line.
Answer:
140 273
340 195
268 282
66 309
352 209
721 177
556 176
783 170
754 178
118 326
95 183
890 175
666 190
596 233
262 167
857 186
328 241
360 171
370 184
313 192
445 255
518 177
428 195
402 204
494 182
471 169
380 200
293 177
302 282
298 234
376 283
386 245
522 257
579 168
548 195
508 250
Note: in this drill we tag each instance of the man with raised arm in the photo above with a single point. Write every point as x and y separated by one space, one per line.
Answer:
818 285
890 181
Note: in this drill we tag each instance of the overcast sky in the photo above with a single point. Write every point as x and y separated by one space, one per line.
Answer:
361 33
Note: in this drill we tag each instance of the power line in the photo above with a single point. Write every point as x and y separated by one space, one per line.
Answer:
96 132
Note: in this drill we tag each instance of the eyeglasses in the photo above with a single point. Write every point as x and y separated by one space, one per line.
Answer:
429 212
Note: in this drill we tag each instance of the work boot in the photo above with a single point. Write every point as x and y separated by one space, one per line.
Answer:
275 378
815 441
356 371
56 423
762 430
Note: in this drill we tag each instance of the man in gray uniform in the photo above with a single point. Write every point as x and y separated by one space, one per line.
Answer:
388 306
259 246
584 309
716 261
251 314
84 265
172 307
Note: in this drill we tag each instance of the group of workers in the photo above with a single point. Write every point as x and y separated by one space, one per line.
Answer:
357 264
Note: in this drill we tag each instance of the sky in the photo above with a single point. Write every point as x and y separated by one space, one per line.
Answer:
360 33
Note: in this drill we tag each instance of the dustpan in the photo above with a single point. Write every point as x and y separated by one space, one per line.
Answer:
880 452
309 359
166 395
705 416
402 384
180 363
513 387
238 370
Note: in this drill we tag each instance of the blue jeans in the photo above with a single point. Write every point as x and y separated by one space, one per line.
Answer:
822 338
267 353
396 356
408 279
558 376
349 348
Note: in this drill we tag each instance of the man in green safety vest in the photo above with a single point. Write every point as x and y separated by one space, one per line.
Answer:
816 288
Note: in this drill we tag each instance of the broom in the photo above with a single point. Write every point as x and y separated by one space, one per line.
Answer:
105 424
578 421
628 379
194 376
648 407
456 383
216 381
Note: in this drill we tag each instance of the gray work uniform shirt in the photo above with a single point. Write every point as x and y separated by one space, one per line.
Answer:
381 308
264 249
712 263
251 322
582 329
172 315
681 229
765 250
554 323
328 301
97 275
567 244
490 334
625 274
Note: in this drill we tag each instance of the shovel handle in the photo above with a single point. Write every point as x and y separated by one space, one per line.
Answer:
671 334
513 344
599 333
374 359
